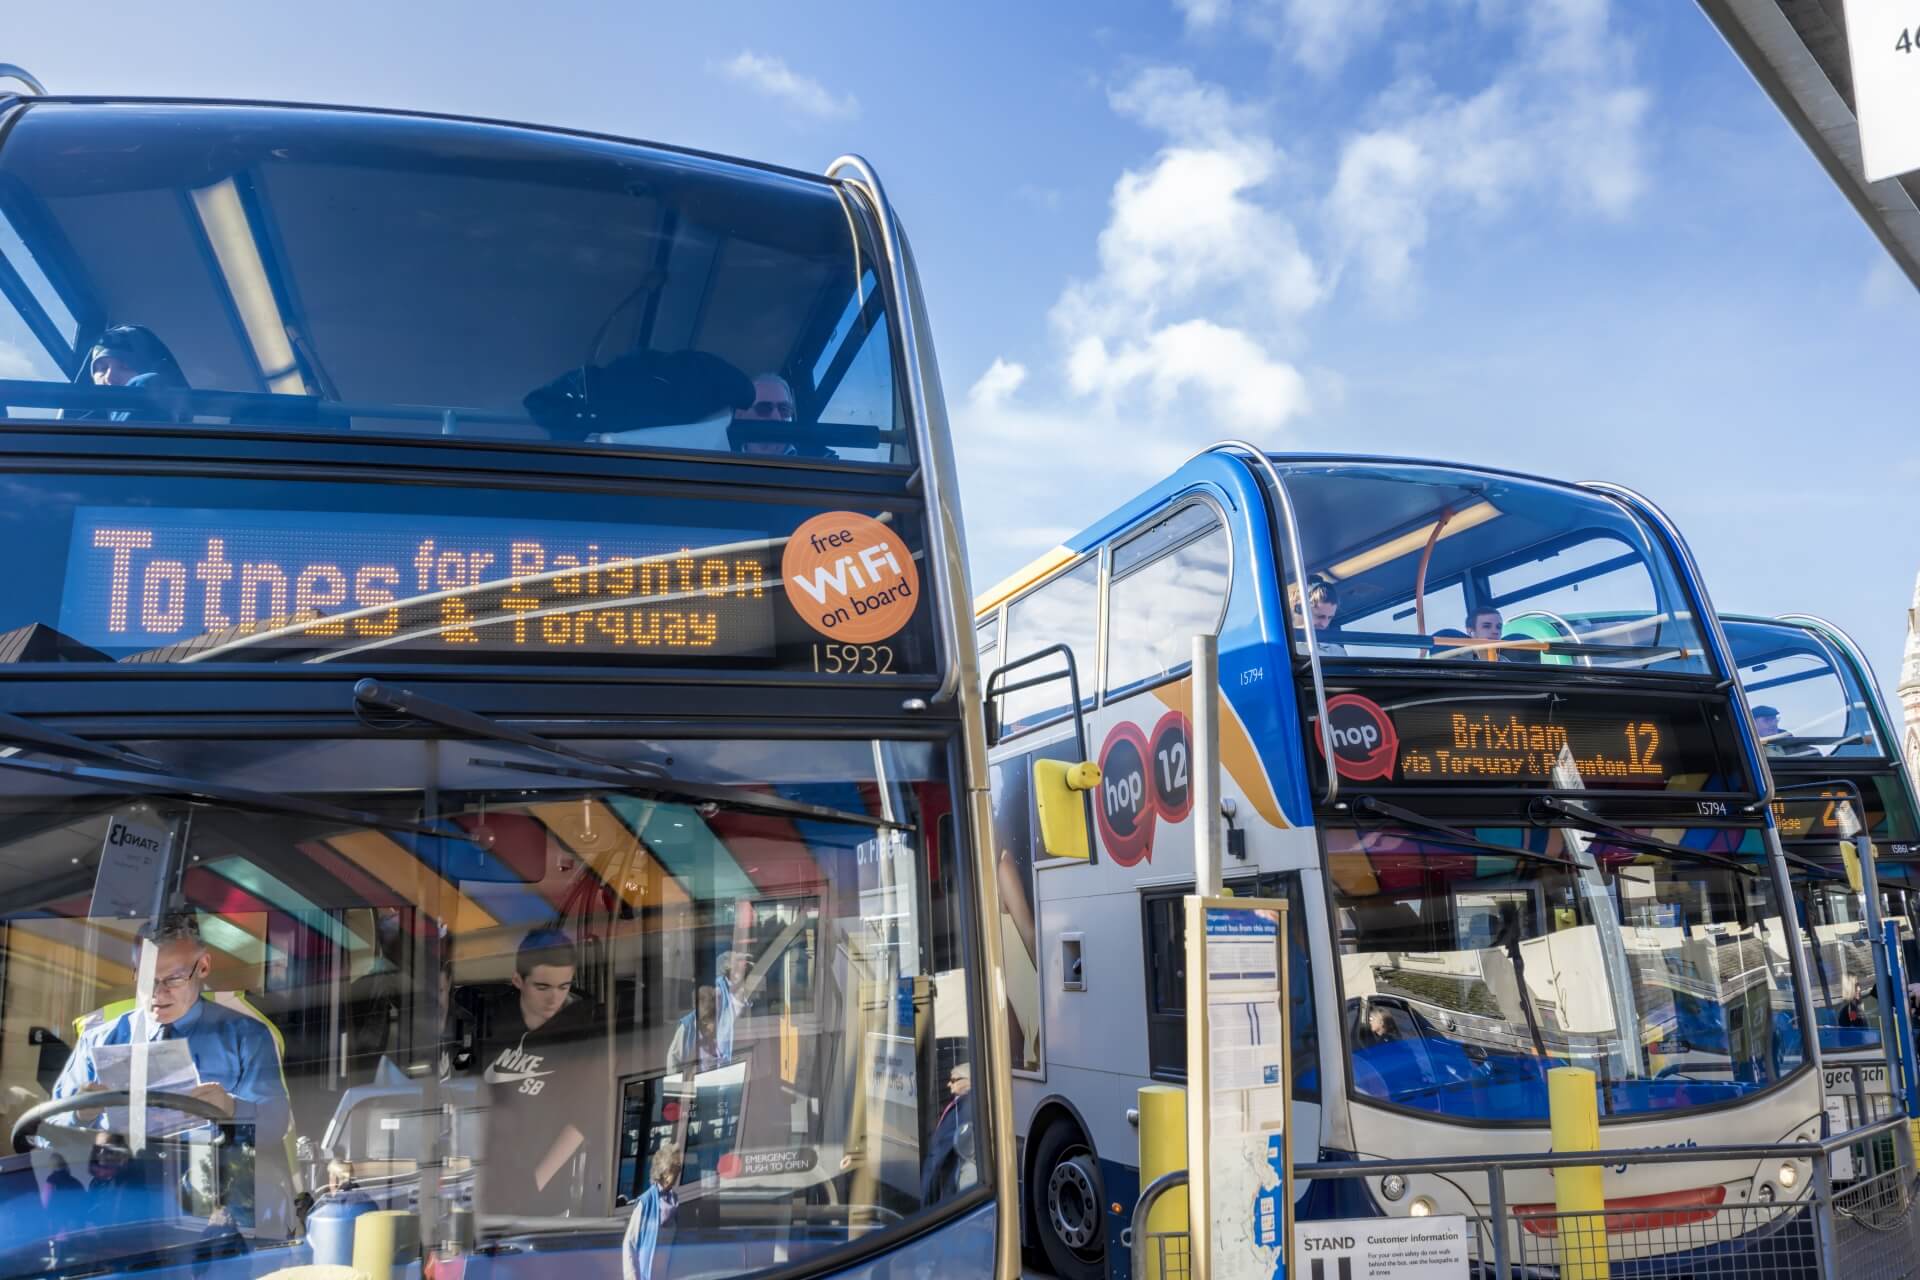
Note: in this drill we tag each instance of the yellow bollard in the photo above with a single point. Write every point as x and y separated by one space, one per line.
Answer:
378 1240
1163 1148
1574 1108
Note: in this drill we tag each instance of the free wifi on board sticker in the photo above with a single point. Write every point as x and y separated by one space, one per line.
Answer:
850 576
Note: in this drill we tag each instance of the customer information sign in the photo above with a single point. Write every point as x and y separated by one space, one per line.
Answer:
1239 1090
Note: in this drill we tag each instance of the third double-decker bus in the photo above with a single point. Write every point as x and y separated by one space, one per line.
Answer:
1833 752
1481 731
491 770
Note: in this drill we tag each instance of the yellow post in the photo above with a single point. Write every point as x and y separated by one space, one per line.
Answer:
1163 1148
1574 1108
378 1238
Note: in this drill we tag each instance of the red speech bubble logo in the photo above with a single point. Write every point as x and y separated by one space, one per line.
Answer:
1365 743
1123 804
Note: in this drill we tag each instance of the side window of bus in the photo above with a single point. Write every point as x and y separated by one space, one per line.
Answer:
1169 584
1165 937
987 645
37 330
1064 611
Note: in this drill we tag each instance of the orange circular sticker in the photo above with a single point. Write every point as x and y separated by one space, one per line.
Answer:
850 577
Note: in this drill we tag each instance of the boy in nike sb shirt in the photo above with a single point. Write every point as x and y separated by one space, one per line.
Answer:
540 1064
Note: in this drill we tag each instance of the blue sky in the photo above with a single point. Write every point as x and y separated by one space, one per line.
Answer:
1568 236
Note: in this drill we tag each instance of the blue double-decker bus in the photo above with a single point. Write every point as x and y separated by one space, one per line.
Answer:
1481 731
1834 754
491 778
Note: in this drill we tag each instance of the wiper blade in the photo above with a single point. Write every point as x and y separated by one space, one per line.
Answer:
162 783
1813 867
651 781
372 695
55 742
671 791
1627 839
1453 835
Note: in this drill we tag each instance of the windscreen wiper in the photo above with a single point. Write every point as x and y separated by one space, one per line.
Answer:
55 742
1817 869
158 782
666 790
1629 839
1441 833
651 781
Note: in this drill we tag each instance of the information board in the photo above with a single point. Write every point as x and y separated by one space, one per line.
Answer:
836 593
1432 1248
1239 1088
1436 738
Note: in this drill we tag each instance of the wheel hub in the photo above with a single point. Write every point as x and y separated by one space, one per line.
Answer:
1071 1203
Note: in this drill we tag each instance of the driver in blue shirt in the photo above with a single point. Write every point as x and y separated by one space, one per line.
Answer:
238 1064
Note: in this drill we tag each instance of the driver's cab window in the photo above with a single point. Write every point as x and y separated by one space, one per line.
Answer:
550 1004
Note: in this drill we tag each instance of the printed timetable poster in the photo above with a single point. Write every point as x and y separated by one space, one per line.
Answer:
1238 1100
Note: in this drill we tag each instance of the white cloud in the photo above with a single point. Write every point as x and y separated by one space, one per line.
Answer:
15 363
1223 374
1000 381
1202 15
774 78
1564 115
1323 34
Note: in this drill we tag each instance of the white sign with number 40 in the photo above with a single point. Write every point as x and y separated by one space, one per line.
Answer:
1883 41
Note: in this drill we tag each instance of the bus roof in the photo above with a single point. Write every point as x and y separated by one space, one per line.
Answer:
1097 532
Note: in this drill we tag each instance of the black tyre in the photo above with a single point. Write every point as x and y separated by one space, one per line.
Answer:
1069 1205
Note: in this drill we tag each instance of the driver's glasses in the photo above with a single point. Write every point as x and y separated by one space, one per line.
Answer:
173 981
772 409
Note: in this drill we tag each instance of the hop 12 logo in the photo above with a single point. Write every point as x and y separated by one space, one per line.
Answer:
1144 779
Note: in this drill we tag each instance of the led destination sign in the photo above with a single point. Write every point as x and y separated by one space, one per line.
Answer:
1559 742
196 585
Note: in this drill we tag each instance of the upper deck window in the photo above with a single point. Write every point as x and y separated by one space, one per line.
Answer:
345 272
1806 700
1442 564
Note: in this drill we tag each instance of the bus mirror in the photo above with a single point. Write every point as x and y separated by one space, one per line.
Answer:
1063 818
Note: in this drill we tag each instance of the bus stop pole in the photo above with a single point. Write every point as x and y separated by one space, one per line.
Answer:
1207 831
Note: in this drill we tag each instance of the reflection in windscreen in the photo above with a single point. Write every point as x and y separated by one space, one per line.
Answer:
480 282
1435 564
1468 976
1846 999
727 1037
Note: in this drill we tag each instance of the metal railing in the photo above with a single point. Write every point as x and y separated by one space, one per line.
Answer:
1854 1219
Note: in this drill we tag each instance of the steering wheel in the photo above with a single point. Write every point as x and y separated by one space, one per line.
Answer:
29 1123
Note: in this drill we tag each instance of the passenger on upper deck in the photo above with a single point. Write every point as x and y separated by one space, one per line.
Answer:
773 402
127 355
1775 740
1323 602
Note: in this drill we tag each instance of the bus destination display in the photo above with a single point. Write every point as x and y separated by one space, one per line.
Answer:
222 585
1428 740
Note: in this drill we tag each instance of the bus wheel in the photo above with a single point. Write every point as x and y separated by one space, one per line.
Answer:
1070 1210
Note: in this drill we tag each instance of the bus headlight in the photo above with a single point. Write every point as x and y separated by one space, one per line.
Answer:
1420 1208
1787 1176
1393 1186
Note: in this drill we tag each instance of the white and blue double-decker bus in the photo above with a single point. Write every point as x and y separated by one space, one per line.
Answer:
490 768
1481 731
1834 754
